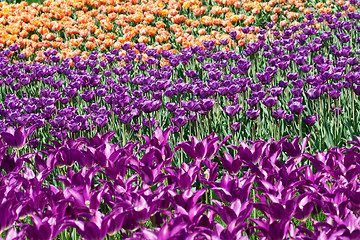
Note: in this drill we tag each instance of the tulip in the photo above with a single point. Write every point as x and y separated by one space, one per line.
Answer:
334 94
252 114
235 126
179 121
278 114
232 165
16 138
207 148
311 119
296 107
270 101
232 110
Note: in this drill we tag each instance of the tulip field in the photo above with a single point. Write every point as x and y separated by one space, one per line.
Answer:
180 119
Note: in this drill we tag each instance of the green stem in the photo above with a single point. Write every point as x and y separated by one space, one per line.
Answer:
300 126
150 127
181 151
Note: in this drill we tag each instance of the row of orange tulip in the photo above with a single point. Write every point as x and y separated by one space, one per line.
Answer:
79 26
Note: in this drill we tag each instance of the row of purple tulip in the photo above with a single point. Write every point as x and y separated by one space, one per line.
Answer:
268 190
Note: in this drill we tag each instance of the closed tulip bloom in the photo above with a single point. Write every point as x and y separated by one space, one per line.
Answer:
253 101
296 107
337 110
310 120
235 126
252 114
313 93
289 117
232 110
88 96
171 107
179 121
270 101
260 95
149 123
334 94
283 84
278 113
296 92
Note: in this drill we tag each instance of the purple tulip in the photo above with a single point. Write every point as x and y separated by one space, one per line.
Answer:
283 84
289 117
357 90
207 104
313 93
171 107
292 76
179 121
296 107
252 101
207 148
296 92
276 91
278 113
235 126
149 122
310 120
149 106
252 114
233 35
88 96
337 110
334 94
232 110
270 101
16 138
230 164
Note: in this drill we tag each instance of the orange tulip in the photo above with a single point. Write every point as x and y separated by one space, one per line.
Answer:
160 24
306 11
283 23
237 4
34 37
23 34
38 59
108 43
173 12
202 31
55 44
241 42
187 4
255 11
274 17
206 20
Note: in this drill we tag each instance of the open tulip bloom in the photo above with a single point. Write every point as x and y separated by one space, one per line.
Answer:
17 138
